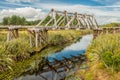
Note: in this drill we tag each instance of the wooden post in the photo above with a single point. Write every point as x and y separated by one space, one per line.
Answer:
30 36
46 35
65 18
40 38
16 32
8 35
107 31
36 38
114 31
54 18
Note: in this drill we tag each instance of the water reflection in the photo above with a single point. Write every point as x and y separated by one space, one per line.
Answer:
68 58
74 49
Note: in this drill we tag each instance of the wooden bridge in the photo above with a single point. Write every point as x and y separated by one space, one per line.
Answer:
105 30
54 20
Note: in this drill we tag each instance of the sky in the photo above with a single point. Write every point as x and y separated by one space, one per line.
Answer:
105 11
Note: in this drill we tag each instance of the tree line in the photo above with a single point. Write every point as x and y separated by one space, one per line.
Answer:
111 25
17 20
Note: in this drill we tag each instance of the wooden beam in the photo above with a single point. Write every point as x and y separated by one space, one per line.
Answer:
95 22
8 35
59 19
36 38
49 22
68 24
43 19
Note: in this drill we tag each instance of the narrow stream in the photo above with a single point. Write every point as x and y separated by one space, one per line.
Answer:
75 49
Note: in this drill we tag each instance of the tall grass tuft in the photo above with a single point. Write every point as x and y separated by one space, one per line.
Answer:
18 49
106 49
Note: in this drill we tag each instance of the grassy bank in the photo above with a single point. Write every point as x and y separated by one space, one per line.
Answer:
16 54
103 58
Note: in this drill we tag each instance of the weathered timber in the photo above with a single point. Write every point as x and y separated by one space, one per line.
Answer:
38 36
105 30
12 33
67 19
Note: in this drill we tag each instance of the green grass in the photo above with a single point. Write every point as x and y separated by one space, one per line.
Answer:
106 48
18 49
103 58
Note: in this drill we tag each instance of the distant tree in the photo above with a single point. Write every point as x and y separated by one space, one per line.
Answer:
32 22
6 21
111 25
23 21
14 20
17 20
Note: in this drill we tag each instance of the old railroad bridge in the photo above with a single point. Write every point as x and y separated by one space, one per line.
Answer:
55 20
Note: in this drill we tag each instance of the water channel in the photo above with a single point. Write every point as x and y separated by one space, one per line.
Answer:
73 50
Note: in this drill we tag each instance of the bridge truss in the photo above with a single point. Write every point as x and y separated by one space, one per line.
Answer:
59 19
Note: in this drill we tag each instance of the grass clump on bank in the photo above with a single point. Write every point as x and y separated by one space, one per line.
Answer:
106 49
104 58
14 50
19 49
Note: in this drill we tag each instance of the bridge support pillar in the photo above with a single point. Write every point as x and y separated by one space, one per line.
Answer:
38 37
12 33
96 32
106 30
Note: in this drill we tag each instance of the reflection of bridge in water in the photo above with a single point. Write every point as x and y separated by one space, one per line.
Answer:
60 64
55 20
55 70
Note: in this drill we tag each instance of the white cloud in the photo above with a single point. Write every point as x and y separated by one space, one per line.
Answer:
28 12
103 14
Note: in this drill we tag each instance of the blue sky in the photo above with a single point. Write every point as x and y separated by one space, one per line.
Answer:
22 3
105 11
